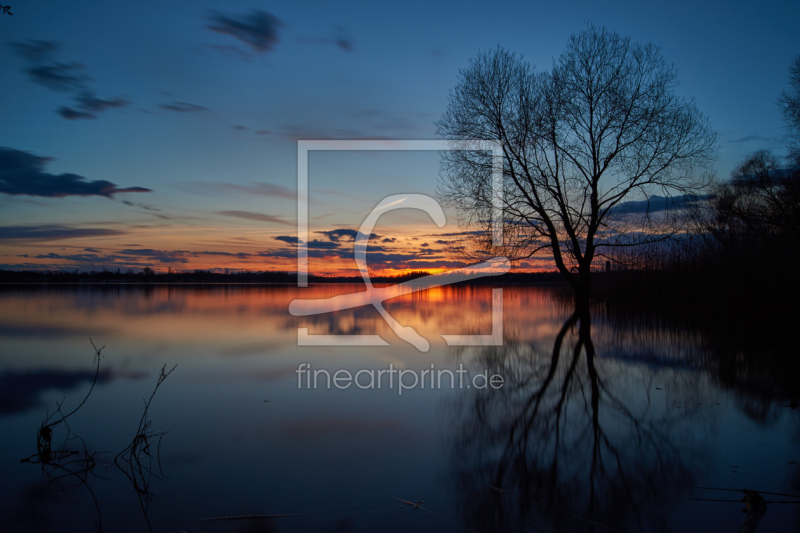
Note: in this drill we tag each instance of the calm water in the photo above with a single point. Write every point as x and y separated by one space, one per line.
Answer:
611 428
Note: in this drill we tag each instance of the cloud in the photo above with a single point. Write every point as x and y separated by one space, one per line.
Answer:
73 114
52 232
48 72
248 215
287 239
183 107
341 233
341 38
258 29
348 235
89 102
78 258
23 173
759 138
657 203
321 245
164 256
45 70
263 189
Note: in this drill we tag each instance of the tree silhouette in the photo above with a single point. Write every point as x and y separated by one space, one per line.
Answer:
603 127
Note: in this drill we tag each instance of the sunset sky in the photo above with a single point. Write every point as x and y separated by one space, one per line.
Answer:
164 134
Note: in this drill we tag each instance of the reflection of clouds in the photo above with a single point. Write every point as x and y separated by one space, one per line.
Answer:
21 391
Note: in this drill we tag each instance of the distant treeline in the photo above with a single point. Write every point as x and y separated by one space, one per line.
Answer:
740 255
205 276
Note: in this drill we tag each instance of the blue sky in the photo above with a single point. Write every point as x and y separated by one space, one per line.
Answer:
181 98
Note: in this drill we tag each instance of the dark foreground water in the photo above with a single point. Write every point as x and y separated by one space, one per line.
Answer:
602 432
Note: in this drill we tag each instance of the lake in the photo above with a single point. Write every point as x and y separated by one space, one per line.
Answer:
601 430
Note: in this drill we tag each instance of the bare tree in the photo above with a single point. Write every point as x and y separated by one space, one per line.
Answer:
602 128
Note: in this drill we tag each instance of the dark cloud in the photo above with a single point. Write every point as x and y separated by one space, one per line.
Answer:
248 215
78 258
73 114
389 240
312 245
342 233
239 255
183 107
239 127
58 76
163 256
48 72
44 69
345 234
321 245
90 102
657 203
345 43
52 232
23 173
257 29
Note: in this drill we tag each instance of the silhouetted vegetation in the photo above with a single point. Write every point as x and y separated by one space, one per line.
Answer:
60 460
742 251
743 246
267 277
143 455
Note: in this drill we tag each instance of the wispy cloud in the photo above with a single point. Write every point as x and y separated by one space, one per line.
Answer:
757 138
657 203
257 29
163 256
52 232
45 70
260 217
262 189
23 173
341 38
183 107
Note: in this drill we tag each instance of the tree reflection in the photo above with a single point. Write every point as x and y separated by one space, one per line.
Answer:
573 441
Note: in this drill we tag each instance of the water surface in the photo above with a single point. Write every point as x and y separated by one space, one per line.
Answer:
610 427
